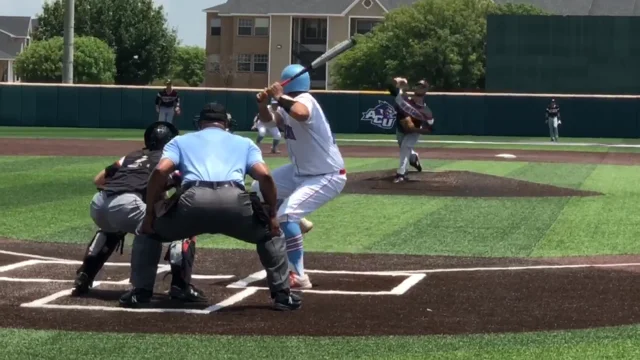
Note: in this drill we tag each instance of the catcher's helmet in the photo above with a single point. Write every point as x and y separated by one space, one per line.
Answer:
158 134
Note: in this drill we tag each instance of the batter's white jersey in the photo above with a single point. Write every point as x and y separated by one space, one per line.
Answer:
311 146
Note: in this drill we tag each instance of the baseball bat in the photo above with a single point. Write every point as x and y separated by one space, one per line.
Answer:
323 59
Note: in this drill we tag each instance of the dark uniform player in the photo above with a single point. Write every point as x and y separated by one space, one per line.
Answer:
167 103
413 118
212 200
119 207
553 119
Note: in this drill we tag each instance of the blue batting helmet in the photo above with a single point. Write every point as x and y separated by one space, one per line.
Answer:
301 84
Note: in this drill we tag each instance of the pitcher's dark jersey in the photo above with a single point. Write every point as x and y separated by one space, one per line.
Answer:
167 99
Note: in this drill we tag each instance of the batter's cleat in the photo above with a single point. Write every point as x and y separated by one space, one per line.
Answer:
305 225
297 282
400 178
275 151
191 294
285 301
416 164
81 284
136 298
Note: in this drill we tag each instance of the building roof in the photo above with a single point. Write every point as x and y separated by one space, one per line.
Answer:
324 7
337 7
5 56
17 26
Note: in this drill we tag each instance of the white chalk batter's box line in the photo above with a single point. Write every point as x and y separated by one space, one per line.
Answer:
403 287
413 277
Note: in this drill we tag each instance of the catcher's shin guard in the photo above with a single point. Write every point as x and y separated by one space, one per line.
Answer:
181 256
98 251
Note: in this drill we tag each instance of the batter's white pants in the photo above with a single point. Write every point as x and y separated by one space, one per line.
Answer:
303 195
166 114
406 142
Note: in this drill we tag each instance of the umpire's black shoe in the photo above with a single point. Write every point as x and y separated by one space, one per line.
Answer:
81 285
286 301
189 294
136 298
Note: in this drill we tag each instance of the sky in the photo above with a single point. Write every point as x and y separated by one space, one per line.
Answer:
184 15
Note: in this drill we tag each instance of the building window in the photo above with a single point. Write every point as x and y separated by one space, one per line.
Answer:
213 63
367 4
245 27
315 28
244 63
262 27
216 26
260 63
363 26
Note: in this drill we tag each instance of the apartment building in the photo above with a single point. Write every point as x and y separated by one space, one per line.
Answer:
15 37
249 42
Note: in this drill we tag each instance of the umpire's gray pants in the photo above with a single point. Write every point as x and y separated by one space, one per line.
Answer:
117 213
553 127
200 210
406 142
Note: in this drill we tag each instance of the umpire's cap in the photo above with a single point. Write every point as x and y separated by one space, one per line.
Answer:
212 112
158 134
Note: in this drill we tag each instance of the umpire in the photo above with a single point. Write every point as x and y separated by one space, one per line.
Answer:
118 207
211 200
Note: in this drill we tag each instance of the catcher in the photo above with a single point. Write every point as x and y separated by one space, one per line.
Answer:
413 118
119 207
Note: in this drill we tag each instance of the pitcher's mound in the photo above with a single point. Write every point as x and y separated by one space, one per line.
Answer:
453 183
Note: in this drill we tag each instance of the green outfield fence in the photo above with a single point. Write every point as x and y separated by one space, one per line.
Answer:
563 54
613 116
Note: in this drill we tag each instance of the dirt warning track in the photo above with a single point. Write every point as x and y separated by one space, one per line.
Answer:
115 148
352 295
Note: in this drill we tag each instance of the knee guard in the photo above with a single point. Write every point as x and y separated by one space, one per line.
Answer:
102 245
181 256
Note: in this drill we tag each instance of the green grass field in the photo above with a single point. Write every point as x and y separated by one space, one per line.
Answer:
59 189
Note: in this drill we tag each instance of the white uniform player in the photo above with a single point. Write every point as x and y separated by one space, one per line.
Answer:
316 174
268 127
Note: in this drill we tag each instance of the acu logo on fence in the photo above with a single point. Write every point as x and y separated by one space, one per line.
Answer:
382 116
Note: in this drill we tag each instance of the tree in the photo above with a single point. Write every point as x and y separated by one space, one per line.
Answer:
189 64
93 63
225 69
136 29
442 41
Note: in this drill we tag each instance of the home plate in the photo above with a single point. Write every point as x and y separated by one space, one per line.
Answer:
506 156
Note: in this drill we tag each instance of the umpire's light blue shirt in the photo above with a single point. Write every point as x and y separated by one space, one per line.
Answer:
212 154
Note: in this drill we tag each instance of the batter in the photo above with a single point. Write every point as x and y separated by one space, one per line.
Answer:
316 174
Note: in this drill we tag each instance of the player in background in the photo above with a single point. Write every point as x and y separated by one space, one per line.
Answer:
167 103
316 174
270 127
553 119
413 118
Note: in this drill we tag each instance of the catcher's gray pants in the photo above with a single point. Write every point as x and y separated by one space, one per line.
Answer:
166 114
201 210
117 213
406 142
553 128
